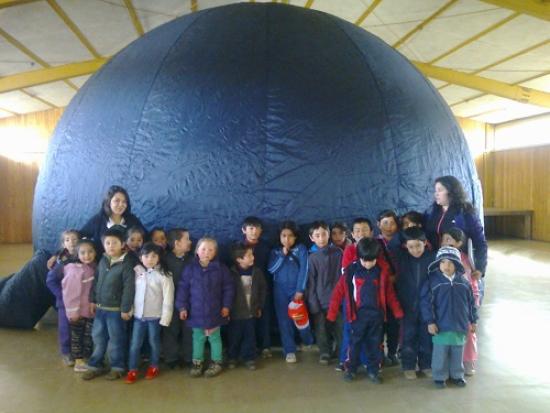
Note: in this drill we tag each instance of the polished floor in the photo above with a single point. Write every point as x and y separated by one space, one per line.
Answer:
513 374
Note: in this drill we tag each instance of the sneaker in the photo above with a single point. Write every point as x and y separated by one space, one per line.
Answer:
80 366
131 377
214 369
324 359
67 360
375 378
459 382
427 372
469 369
348 376
266 353
114 375
439 384
340 367
250 365
92 374
152 372
306 347
196 369
291 358
409 374
231 364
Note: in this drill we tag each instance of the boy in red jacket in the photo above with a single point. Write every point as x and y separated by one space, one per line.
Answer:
368 292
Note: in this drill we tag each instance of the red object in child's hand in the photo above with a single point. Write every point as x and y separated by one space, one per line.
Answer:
297 311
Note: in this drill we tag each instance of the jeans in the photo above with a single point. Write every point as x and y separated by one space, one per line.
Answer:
286 325
447 361
199 340
109 330
151 328
242 339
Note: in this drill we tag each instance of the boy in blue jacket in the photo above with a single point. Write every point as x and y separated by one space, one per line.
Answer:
412 273
448 307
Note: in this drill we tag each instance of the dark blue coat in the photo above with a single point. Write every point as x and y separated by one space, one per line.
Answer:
468 222
412 273
203 292
448 304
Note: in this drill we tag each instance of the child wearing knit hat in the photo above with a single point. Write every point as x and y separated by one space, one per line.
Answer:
448 307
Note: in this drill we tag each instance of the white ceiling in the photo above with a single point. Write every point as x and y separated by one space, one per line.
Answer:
38 29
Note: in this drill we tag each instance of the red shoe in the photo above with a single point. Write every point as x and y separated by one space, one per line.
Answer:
152 372
131 377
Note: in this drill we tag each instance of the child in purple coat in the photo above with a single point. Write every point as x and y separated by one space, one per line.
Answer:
204 297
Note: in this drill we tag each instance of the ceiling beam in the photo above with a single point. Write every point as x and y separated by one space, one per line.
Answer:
309 3
50 74
503 60
483 84
536 8
475 37
194 6
74 28
10 3
424 23
44 101
11 112
366 13
134 17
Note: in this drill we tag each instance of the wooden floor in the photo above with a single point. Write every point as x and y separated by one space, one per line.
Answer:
512 377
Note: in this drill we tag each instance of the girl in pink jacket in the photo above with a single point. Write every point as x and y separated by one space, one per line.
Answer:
77 282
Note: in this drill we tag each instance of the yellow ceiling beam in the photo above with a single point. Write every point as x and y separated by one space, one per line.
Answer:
475 37
309 3
424 23
536 8
504 60
74 28
50 74
194 6
366 13
483 84
10 3
134 17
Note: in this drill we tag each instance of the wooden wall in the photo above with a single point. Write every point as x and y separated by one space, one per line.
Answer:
18 178
518 178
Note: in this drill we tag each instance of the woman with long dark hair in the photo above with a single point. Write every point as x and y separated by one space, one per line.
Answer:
451 209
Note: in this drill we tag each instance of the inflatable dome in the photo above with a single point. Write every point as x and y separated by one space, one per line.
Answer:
251 109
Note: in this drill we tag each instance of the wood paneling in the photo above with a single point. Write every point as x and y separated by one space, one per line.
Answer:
18 178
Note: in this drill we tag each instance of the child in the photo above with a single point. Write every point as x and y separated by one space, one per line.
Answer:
111 300
158 236
250 292
339 235
324 269
455 237
153 307
76 285
361 228
449 309
177 340
134 239
388 225
411 219
66 254
252 229
288 267
412 270
204 297
368 293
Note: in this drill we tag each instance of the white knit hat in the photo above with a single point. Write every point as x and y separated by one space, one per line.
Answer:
447 253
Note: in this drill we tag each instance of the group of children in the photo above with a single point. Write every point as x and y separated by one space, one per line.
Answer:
393 289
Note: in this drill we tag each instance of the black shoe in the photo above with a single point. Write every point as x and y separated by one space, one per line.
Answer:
459 382
375 378
391 360
348 376
439 384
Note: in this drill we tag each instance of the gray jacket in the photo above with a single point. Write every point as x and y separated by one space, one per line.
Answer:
324 270
114 285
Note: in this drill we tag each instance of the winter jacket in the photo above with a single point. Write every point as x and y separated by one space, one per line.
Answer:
154 297
436 222
176 265
241 310
324 270
289 271
114 284
345 290
203 292
77 282
411 274
97 225
448 304
54 277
